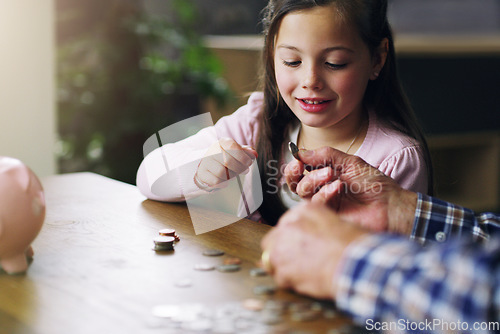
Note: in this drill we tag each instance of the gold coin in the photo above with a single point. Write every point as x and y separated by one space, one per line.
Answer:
232 260
253 304
167 232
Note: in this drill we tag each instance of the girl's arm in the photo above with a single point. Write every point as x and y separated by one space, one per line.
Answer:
408 168
167 173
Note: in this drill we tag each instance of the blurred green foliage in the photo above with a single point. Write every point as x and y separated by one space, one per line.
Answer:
124 76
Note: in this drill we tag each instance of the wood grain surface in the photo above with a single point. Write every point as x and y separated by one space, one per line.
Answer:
94 270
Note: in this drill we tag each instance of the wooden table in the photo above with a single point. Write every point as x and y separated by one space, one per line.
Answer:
94 270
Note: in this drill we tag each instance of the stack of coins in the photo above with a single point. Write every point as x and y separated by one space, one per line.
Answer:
163 243
169 232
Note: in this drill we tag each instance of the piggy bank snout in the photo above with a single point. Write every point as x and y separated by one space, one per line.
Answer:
22 212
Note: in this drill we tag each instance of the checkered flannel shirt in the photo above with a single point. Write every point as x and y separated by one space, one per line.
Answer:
455 277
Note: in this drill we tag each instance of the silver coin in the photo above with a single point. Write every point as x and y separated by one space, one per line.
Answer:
308 315
228 268
256 272
300 306
271 318
276 306
213 252
160 248
184 283
264 289
294 150
161 239
203 267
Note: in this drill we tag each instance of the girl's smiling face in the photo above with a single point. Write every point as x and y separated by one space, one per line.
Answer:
322 67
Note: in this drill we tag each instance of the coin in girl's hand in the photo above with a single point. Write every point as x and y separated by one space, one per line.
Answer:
294 150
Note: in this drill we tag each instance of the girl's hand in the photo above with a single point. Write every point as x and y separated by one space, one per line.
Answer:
224 160
358 192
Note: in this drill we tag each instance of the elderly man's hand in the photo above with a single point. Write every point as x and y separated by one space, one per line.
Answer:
305 249
358 192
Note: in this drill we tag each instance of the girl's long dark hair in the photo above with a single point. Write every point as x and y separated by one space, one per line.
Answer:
384 95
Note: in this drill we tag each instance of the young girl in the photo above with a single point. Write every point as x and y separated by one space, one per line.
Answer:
329 80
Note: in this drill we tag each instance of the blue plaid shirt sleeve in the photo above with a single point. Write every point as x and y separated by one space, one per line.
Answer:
438 221
387 278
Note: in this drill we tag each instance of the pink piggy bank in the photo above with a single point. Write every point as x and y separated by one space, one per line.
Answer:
22 212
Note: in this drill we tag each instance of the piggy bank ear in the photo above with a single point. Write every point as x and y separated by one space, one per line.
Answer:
16 170
23 177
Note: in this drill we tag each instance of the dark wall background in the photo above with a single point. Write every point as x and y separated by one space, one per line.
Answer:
453 95
445 16
456 93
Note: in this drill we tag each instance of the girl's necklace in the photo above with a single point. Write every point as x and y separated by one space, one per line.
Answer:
352 142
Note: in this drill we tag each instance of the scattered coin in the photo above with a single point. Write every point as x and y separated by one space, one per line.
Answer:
271 318
276 306
264 289
305 315
252 315
204 267
228 268
255 272
316 306
184 283
232 260
213 252
300 306
253 304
